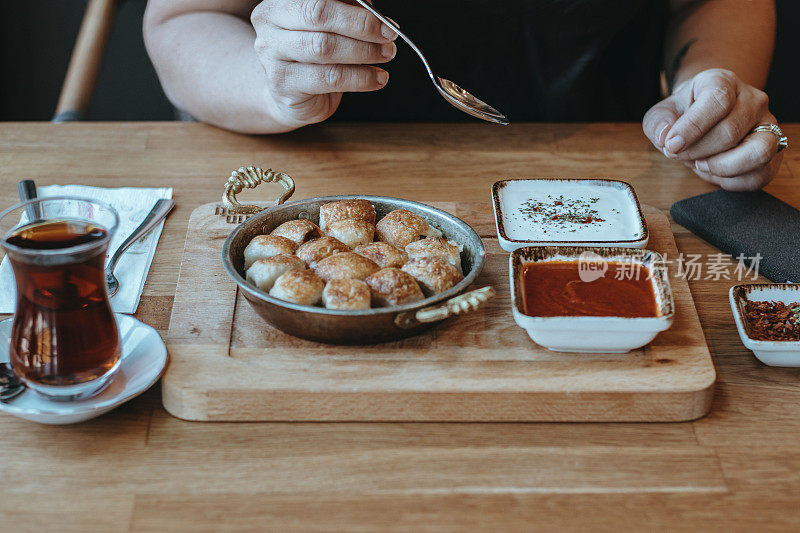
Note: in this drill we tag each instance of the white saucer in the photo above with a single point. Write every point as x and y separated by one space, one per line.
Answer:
144 357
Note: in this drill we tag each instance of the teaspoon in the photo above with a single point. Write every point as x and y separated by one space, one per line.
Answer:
458 97
10 385
27 191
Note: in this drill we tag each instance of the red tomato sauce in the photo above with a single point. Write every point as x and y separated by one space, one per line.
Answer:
556 289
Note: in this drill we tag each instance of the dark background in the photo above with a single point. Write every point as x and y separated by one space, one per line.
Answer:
37 37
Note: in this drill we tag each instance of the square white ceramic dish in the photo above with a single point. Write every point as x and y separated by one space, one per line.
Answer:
615 201
772 353
589 334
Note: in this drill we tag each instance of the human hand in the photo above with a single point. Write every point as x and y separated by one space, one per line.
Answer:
707 124
314 50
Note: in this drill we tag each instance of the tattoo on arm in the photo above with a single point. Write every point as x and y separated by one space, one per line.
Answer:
677 61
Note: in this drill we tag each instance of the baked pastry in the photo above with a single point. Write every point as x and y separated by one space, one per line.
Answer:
434 274
436 247
356 209
264 272
347 294
298 286
401 227
351 232
345 265
262 246
383 253
299 230
392 286
318 249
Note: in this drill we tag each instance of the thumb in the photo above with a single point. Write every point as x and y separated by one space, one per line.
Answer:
658 121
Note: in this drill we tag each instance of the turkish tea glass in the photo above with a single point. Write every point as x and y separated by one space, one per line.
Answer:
65 344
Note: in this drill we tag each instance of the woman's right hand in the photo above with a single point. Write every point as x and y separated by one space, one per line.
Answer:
315 50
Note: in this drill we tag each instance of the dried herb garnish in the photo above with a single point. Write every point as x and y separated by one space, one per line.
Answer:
561 212
773 321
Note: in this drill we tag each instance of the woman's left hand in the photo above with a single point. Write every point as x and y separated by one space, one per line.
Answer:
707 124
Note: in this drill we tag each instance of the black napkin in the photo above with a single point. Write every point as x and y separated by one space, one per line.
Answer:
747 223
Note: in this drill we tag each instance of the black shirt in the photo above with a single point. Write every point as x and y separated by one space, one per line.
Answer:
535 60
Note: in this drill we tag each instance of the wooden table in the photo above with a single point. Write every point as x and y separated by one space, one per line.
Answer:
140 469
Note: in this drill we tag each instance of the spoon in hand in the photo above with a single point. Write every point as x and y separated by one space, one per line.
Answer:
451 92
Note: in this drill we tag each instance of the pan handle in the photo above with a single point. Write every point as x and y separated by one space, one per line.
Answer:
250 178
464 303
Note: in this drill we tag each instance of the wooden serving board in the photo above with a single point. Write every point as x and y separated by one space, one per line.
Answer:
228 364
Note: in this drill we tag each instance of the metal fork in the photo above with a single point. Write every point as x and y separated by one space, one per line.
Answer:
451 92
160 210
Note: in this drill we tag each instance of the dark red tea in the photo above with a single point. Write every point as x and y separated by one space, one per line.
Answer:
64 331
56 234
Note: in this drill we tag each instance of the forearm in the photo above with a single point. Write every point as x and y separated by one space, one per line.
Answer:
208 68
736 35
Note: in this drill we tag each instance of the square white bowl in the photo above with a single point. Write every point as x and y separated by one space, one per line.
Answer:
624 229
772 353
592 334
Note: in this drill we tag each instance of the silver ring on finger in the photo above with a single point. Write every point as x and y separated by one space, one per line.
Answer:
783 140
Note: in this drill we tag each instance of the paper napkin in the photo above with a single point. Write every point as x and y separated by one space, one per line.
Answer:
132 204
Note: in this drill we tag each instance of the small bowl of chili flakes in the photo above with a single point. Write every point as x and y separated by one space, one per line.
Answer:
767 316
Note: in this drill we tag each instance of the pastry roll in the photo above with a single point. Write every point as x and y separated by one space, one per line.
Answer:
264 272
436 247
434 274
263 246
401 227
298 286
348 294
383 253
315 251
345 265
298 231
356 209
352 232
392 286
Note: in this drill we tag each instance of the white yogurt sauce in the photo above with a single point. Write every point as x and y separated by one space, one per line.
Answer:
613 202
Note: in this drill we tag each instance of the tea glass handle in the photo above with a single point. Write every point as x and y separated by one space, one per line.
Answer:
464 303
250 178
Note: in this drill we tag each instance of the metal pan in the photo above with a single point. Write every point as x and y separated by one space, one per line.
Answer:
367 326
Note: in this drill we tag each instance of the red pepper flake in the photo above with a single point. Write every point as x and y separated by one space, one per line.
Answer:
773 321
558 203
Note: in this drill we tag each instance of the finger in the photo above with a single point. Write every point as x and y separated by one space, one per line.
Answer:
751 181
328 48
658 120
305 78
329 16
753 153
749 108
712 97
